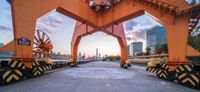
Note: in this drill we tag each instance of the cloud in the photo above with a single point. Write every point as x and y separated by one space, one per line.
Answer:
4 28
44 29
130 24
54 19
193 1
50 22
140 34
139 22
135 29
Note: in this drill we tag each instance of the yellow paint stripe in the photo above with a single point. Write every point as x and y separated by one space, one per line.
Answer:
155 71
166 67
149 70
177 70
195 78
14 64
159 72
35 73
47 67
23 67
188 79
9 79
34 69
6 74
33 64
152 70
182 69
15 77
162 74
20 64
40 68
188 68
37 63
165 72
163 66
18 72
39 72
182 75
44 68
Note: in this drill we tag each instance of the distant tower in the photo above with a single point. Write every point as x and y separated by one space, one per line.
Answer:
79 55
97 53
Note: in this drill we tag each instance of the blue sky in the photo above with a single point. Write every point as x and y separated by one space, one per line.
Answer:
60 29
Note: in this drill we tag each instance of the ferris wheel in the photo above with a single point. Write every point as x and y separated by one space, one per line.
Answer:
42 45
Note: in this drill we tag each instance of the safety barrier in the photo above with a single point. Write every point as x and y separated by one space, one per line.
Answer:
14 71
185 74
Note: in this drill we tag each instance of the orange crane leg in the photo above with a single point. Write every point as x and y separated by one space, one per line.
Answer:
83 30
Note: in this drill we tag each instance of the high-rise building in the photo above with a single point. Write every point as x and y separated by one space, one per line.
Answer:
155 36
97 53
79 56
128 50
135 48
1 45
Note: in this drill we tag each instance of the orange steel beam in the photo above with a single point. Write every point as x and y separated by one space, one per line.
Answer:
177 34
9 47
82 30
128 9
26 12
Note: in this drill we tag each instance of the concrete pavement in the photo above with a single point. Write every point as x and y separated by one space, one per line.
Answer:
97 77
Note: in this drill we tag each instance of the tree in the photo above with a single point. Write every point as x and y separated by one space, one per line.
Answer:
194 41
148 51
164 48
158 49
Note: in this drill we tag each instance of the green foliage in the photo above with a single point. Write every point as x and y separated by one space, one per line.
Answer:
194 41
164 48
113 58
161 49
148 50
158 49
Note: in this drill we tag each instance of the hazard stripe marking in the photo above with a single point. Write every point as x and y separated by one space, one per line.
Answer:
6 74
18 72
188 79
19 65
188 68
182 75
14 63
182 69
195 78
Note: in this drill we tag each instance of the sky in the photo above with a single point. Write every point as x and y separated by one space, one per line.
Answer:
60 30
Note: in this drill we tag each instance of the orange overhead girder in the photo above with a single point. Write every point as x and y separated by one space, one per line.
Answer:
26 13
82 30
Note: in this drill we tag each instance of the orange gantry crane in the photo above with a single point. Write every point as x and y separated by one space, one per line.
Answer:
107 16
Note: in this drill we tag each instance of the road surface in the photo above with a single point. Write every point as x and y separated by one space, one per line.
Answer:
97 77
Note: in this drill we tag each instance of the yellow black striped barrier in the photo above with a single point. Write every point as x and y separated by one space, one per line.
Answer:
184 68
17 64
189 79
35 64
153 70
37 69
12 75
44 68
162 74
164 66
48 67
